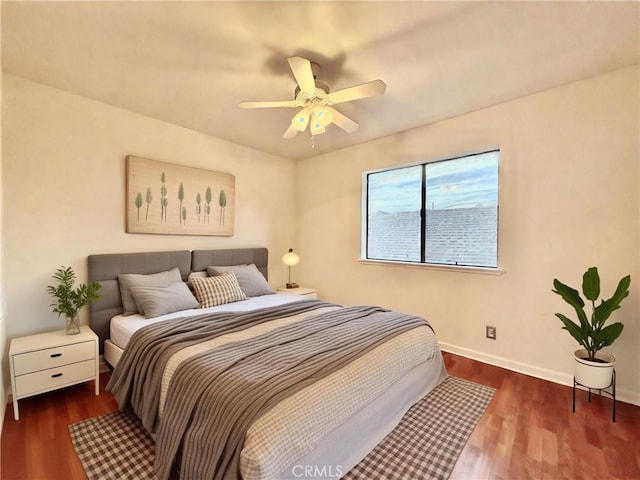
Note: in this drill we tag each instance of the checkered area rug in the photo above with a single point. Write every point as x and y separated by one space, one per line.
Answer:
425 445
114 446
431 435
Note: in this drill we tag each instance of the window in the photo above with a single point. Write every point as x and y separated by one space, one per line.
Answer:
443 212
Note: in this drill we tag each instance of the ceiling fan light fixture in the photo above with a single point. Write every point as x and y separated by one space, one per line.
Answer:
322 116
301 120
317 128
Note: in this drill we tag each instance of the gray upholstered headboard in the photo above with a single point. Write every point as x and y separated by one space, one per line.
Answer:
201 259
105 269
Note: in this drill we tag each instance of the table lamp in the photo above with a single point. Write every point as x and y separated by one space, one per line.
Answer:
290 259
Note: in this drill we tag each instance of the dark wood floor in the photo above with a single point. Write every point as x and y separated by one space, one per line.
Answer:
528 431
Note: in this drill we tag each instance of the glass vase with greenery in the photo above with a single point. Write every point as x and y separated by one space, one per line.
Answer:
69 300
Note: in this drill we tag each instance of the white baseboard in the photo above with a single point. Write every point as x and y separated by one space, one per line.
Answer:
622 394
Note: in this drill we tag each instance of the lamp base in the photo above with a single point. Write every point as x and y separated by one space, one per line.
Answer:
293 285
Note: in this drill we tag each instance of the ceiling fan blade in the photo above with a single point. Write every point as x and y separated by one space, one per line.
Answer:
281 103
345 123
291 132
369 89
301 68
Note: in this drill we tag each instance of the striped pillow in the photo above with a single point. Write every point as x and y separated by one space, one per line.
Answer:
212 291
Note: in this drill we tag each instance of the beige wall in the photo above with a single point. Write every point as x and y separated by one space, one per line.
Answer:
63 173
569 199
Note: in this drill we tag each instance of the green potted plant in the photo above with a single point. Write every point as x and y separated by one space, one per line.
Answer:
593 368
69 300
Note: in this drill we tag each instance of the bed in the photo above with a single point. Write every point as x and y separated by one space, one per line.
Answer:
266 386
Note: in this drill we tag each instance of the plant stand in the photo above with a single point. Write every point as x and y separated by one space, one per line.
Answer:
611 393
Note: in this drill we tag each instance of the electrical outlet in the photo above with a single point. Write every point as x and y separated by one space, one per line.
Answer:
491 332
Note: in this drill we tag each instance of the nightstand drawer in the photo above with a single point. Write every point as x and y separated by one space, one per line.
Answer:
52 378
37 360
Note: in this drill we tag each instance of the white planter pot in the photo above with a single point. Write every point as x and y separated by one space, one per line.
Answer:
593 374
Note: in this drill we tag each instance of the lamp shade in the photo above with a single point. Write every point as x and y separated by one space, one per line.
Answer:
323 116
290 258
301 120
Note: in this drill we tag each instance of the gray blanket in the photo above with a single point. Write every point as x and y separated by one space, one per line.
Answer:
215 396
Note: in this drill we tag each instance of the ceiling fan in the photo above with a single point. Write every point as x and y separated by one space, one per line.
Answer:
316 100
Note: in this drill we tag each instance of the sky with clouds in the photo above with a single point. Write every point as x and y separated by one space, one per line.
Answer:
458 183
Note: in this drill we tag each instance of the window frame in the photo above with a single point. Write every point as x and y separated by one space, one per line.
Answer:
364 216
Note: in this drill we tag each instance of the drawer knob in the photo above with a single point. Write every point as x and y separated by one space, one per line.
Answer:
56 375
54 355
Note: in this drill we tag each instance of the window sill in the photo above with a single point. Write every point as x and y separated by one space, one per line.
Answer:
447 268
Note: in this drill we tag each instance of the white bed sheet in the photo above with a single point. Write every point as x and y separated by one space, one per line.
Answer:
122 327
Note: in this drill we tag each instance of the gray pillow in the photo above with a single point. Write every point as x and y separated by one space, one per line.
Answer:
154 301
251 281
128 280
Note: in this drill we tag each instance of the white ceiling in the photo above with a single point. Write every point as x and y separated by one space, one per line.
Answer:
191 63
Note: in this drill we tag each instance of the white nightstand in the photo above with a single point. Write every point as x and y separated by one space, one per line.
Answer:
48 361
307 292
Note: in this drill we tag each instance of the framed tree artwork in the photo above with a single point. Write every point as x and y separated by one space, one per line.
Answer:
164 198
